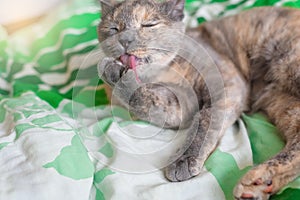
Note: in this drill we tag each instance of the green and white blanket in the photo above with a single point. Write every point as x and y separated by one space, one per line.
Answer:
59 138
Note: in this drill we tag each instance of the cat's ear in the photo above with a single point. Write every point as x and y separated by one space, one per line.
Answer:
106 6
174 9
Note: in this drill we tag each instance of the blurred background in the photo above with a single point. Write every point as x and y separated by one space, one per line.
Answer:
15 14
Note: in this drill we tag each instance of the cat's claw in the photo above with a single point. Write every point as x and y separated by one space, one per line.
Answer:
110 70
183 169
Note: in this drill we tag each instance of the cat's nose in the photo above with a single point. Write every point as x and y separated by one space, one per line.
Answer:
126 38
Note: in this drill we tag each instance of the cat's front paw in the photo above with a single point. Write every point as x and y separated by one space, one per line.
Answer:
183 169
111 70
257 184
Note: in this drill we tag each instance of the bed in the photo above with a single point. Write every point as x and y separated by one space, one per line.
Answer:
61 139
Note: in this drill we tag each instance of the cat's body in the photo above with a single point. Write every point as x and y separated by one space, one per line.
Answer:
257 55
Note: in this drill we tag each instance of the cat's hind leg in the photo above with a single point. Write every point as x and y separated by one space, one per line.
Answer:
268 178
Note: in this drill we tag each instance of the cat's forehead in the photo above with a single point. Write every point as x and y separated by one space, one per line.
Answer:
136 10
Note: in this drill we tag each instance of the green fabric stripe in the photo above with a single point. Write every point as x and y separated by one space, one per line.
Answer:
232 6
48 61
13 69
264 137
91 98
107 150
73 109
288 194
190 8
21 87
102 126
99 194
223 166
100 175
4 92
52 97
89 73
20 128
76 22
265 2
30 79
295 4
121 113
4 144
43 121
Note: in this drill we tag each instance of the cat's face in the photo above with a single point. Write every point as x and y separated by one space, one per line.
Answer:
144 29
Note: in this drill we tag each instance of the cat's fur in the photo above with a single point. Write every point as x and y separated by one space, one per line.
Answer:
257 53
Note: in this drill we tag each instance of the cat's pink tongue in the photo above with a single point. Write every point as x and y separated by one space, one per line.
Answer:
130 61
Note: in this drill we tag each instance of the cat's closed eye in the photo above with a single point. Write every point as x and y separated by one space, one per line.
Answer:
150 24
113 30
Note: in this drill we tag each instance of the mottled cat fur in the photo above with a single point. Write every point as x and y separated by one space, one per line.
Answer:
257 53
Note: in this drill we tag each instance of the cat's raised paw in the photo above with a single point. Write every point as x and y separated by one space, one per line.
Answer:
183 169
111 70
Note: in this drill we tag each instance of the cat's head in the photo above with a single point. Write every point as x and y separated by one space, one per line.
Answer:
144 29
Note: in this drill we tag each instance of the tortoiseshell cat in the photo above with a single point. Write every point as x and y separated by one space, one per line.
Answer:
257 53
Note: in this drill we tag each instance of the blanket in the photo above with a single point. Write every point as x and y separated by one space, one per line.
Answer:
61 139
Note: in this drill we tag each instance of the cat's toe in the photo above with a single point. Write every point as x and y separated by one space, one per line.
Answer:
243 192
255 185
183 169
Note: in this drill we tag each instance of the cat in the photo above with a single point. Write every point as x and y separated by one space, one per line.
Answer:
256 53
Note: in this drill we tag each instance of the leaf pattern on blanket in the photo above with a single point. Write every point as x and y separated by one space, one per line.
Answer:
73 161
226 176
98 178
52 104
